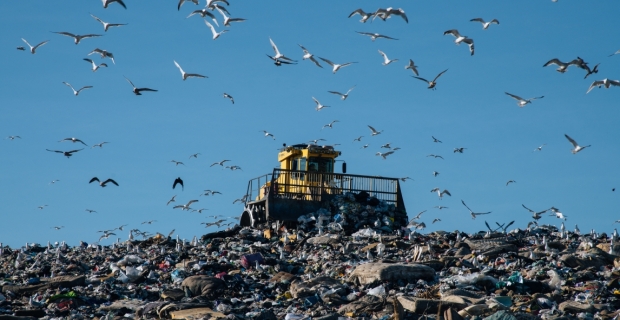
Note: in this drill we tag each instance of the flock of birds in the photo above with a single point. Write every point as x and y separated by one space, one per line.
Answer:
215 10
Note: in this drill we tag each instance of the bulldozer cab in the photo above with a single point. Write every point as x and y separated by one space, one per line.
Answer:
304 183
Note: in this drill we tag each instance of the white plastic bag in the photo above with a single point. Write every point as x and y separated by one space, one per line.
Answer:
377 291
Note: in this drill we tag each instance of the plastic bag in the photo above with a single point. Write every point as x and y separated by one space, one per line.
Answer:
556 281
377 291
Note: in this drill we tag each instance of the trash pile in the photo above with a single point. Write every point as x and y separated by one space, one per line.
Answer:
280 273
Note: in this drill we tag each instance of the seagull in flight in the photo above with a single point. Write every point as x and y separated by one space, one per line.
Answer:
522 102
171 200
103 54
65 153
76 92
186 75
558 214
185 206
435 156
374 132
432 84
106 3
404 179
485 24
540 147
100 145
102 184
107 25
374 36
203 13
413 67
178 181
473 214
384 14
358 139
436 140
195 155
562 66
90 211
441 193
41 207
74 140
460 38
576 146
615 53
95 66
279 56
221 163
54 181
215 33
535 215
384 155
226 95
603 83
308 55
34 49
418 216
343 96
177 162
459 150
148 222
58 227
137 91
435 173
227 19
386 60
319 106
365 16
336 66
329 125
76 37
267 134
279 62
509 182
440 207
590 71
13 137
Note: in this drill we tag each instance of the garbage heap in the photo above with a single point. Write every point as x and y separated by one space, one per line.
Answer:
351 212
540 273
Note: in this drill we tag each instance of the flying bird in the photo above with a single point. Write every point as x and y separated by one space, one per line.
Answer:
460 38
203 13
562 66
65 153
76 92
76 37
413 67
435 156
436 220
343 96
308 55
178 181
404 179
558 214
432 84
485 24
103 54
227 19
359 139
186 75
459 150
107 25
436 140
215 33
435 173
329 125
335 66
279 62
100 145
374 132
539 148
522 102
195 155
177 162
384 155
13 137
137 91
473 214
102 184
171 199
226 95
319 106
181 2
374 36
267 134
386 60
106 3
509 182
221 163
74 140
90 211
34 49
58 227
603 83
590 71
615 53
535 215
384 14
365 16
20 48
185 206
41 207
576 146
95 66
278 55
441 193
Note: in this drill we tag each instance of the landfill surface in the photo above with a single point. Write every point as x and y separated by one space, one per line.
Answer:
357 258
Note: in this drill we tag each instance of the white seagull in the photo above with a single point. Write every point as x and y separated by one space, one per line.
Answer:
387 13
374 132
215 33
267 134
76 92
278 55
204 13
432 84
576 146
107 25
485 25
104 54
103 183
386 60
336 66
186 75
76 37
441 193
522 102
365 16
185 206
562 66
34 49
329 125
473 214
308 55
181 2
375 36
226 95
227 19
100 145
384 155
603 83
319 106
413 67
460 38
106 3
95 66
343 96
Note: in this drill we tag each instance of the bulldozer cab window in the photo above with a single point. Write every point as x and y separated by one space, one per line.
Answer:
324 165
298 164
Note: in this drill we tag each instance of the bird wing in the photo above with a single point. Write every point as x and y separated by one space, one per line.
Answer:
419 78
89 60
93 179
68 85
275 48
38 45
446 192
146 89
439 75
463 202
328 62
358 11
304 49
595 84
96 18
316 62
190 202
131 83
57 151
316 101
453 32
90 36
614 82
386 37
487 224
515 97
24 40
479 20
346 64
383 54
178 66
211 26
366 33
110 180
494 21
72 151
554 61
68 34
372 129
573 142
82 88
509 224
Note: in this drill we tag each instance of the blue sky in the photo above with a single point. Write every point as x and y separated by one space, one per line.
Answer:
469 109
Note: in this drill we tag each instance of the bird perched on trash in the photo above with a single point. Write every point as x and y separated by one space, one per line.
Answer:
178 181
102 184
